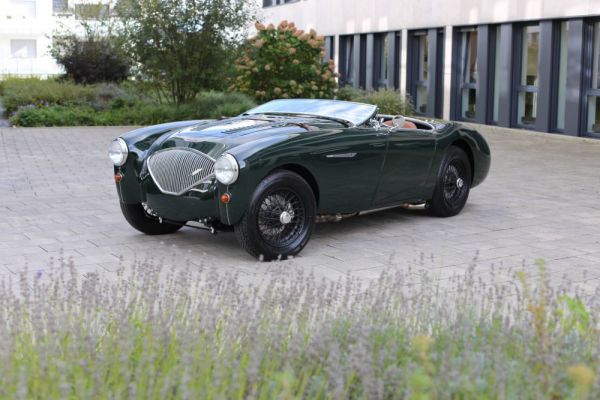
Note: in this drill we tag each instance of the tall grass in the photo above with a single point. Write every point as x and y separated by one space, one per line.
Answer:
203 334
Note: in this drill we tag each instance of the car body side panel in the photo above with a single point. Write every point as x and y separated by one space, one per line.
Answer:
345 163
406 167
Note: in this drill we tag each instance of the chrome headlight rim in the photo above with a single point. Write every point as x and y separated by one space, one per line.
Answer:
118 152
227 173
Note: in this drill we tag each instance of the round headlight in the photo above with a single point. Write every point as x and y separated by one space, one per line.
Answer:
118 152
227 169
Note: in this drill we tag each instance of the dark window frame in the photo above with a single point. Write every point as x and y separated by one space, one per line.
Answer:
588 64
345 60
275 3
459 72
434 84
519 88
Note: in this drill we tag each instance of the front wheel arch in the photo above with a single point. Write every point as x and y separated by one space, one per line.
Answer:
304 173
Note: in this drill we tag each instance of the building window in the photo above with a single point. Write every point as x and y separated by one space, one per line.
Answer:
346 68
380 64
59 6
269 3
593 100
23 48
23 8
561 99
528 87
468 72
422 49
425 72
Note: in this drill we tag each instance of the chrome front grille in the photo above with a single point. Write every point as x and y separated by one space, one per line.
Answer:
176 171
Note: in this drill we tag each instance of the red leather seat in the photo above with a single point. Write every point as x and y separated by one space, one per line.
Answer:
407 124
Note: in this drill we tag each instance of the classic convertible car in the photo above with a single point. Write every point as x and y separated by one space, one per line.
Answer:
271 173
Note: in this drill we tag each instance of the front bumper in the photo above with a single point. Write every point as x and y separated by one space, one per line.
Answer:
194 205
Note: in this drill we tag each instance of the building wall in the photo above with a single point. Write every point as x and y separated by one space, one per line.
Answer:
337 17
531 64
25 30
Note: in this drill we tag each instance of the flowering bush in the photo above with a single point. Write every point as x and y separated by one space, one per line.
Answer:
285 62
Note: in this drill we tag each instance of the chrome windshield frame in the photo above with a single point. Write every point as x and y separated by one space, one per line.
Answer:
366 110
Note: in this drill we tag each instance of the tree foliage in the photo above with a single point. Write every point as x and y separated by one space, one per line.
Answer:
285 62
184 46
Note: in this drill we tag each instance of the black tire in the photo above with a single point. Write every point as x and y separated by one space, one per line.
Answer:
262 232
453 184
146 223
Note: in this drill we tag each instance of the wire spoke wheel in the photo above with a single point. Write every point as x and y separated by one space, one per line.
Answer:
281 218
455 178
453 183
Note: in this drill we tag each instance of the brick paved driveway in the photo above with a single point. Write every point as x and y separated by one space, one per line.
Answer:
541 200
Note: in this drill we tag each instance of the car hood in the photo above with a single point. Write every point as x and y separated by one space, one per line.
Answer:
234 135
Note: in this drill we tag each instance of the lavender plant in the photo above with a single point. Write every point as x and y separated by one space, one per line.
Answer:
203 334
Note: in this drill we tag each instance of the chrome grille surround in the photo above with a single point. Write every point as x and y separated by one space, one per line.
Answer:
177 170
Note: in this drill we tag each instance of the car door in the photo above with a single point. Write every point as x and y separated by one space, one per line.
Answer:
348 165
406 166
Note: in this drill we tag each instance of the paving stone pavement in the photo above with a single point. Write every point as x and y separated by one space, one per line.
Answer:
541 200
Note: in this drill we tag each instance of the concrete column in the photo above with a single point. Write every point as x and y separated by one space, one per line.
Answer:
484 85
447 72
575 106
433 71
370 52
356 61
392 61
506 69
403 62
545 82
336 52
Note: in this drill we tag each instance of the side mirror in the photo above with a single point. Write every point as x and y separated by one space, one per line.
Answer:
398 121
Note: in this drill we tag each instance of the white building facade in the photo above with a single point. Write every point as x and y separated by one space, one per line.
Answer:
26 27
531 64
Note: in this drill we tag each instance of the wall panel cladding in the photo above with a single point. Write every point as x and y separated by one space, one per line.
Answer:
513 69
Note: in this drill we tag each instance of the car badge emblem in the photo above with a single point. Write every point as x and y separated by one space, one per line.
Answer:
196 172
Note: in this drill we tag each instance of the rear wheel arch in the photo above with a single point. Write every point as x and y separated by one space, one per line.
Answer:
464 146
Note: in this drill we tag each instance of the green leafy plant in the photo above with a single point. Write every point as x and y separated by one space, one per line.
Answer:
284 62
36 102
389 101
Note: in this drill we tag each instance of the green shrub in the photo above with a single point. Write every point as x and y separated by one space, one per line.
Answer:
201 333
19 92
124 110
284 62
389 101
91 59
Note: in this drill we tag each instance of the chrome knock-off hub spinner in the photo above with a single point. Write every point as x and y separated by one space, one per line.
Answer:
285 218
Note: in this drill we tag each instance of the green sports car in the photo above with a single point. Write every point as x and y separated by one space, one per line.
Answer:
271 173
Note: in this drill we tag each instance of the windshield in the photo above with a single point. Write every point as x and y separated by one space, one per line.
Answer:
352 113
